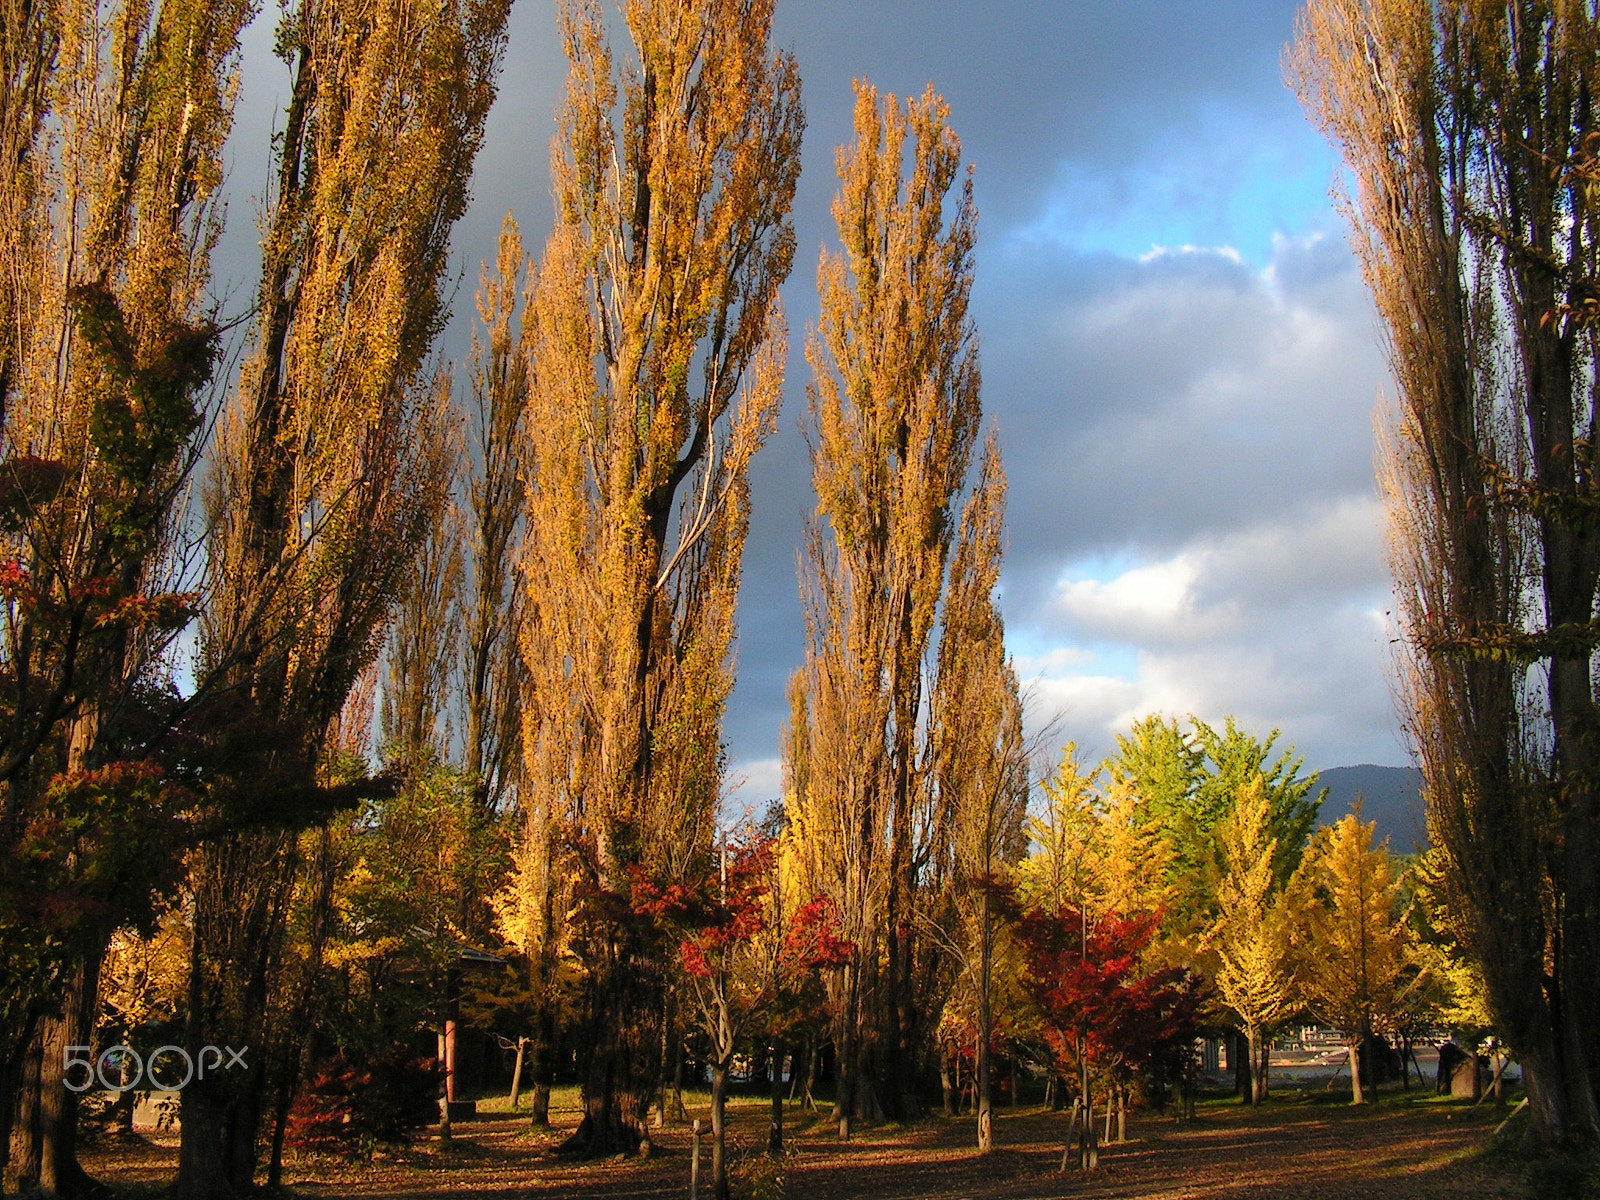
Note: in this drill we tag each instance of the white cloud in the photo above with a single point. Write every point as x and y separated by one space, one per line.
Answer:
1281 625
750 786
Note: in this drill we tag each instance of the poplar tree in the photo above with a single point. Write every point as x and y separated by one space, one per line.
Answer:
1469 133
494 507
894 413
979 754
331 463
656 359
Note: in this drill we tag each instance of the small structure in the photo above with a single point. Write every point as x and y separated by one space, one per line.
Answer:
1461 1072
460 958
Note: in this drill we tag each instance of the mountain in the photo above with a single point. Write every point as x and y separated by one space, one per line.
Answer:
1391 796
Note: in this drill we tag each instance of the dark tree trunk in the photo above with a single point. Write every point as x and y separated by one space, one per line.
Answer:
25 1145
775 1130
54 1163
719 1158
1239 1059
946 1083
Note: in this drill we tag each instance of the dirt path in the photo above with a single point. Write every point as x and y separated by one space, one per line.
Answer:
1403 1151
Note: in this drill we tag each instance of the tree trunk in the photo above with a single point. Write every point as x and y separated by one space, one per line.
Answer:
543 1049
280 1122
985 1032
808 1102
25 1144
516 1073
946 1083
1239 1056
1356 1095
1072 1133
679 1112
1089 1157
607 1126
59 1174
1260 1061
444 1085
719 1161
775 1131
844 1071
201 1170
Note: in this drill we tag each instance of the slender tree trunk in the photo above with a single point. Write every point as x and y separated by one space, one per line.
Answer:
946 1084
516 1073
985 1030
1356 1094
1260 1060
280 1123
719 1161
679 1112
1072 1133
808 1102
444 1079
775 1132
1089 1158
1239 1054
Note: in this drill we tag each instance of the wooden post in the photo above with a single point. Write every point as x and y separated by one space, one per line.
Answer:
694 1164
1072 1132
516 1074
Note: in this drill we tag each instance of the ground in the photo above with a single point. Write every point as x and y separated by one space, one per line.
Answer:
1307 1142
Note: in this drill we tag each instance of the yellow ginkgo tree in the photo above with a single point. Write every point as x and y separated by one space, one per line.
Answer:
1255 973
1355 946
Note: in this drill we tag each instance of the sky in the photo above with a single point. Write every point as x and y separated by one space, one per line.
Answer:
1177 350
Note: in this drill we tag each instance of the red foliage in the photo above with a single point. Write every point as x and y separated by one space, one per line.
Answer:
723 923
382 1100
1098 1000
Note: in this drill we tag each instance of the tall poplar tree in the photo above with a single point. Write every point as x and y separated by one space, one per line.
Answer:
656 357
894 413
1469 130
978 756
331 463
